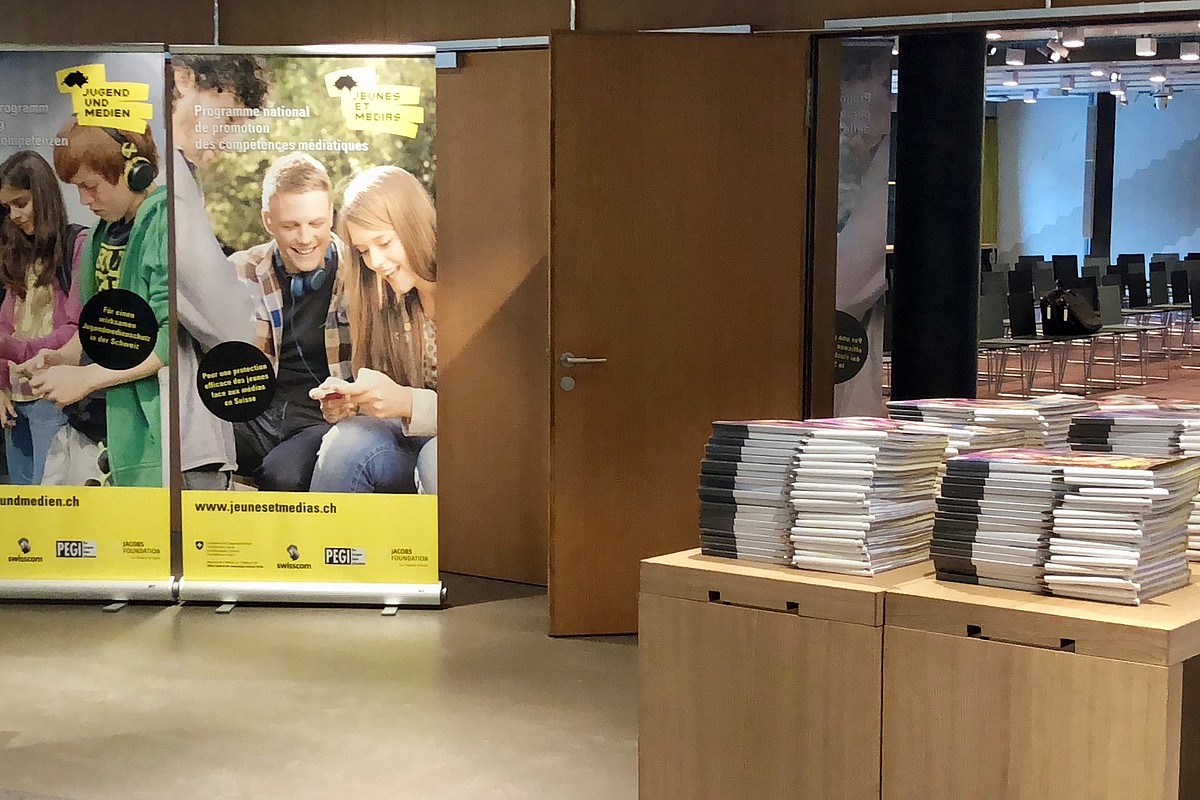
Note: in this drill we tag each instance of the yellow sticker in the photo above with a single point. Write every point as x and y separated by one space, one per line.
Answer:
121 105
310 538
84 533
372 107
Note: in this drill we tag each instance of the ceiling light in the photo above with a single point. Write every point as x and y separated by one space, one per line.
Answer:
1158 75
1189 51
1097 72
1146 47
1161 101
1073 38
1031 96
1058 49
1066 83
1014 57
994 36
1012 80
896 45
1117 89
1124 99
1114 76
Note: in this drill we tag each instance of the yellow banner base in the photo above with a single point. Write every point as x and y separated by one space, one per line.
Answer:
310 547
87 535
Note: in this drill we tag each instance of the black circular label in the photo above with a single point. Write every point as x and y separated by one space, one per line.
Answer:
117 329
849 347
236 381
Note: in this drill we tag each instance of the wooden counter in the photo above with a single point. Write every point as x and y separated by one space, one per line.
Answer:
992 693
760 681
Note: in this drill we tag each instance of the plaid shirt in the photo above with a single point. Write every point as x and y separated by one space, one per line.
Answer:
256 269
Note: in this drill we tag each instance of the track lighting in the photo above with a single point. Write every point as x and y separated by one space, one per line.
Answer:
1012 79
1031 96
1162 98
1097 71
1117 89
993 36
1158 75
1054 51
895 45
1073 38
1146 47
1189 51
1114 76
1014 57
1066 83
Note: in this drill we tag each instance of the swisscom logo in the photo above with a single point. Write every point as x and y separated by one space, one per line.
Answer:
345 556
26 547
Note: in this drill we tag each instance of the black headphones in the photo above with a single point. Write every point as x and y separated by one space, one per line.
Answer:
139 171
304 282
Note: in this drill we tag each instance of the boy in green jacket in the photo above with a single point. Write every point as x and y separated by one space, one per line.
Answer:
115 174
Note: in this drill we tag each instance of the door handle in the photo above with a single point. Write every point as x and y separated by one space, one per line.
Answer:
570 360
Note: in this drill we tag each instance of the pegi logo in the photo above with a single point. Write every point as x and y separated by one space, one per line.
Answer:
24 544
345 556
72 549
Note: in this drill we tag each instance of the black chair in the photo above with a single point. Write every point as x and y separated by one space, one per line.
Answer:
1030 260
993 308
1020 281
993 283
1086 288
1133 258
1193 257
1097 261
1065 268
1117 269
1093 270
1179 286
1021 319
1135 288
1195 290
1159 293
1110 306
1043 279
1170 259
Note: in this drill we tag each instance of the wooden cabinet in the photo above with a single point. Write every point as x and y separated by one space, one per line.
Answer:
998 694
760 682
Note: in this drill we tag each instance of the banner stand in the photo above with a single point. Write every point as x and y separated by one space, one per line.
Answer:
386 594
108 591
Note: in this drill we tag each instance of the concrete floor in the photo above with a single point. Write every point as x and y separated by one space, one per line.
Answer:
470 702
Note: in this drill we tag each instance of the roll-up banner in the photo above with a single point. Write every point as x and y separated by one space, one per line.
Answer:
84 325
306 285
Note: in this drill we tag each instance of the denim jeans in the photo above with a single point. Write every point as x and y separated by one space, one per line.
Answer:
363 454
26 445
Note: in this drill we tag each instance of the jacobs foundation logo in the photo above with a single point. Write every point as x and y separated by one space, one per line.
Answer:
345 556
293 562
199 545
75 549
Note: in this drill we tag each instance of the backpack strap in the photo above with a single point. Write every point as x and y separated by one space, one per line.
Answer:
74 248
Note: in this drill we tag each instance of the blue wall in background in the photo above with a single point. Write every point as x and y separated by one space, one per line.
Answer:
1043 149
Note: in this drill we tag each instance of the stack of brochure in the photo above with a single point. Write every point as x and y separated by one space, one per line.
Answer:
1134 433
972 439
1044 420
1172 429
994 516
1120 532
863 490
744 479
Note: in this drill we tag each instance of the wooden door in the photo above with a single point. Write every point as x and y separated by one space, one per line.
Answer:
677 254
493 202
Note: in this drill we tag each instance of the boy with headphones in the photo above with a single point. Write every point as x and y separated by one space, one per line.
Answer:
300 321
115 173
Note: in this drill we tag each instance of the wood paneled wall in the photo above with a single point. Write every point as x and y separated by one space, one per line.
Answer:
493 188
290 22
67 22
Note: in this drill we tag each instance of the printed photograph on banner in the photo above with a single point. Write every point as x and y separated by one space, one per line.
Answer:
306 272
863 168
84 320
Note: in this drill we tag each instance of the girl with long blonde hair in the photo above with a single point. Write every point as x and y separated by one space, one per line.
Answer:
384 438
